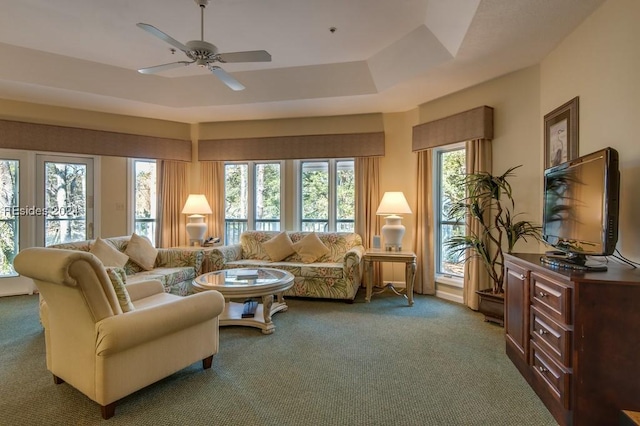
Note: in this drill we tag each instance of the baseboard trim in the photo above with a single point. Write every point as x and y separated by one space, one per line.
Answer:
449 296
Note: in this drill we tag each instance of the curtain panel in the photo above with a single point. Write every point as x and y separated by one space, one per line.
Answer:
424 237
173 190
212 186
367 175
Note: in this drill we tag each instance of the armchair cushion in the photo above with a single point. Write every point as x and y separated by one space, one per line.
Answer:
279 247
310 248
108 254
141 251
118 280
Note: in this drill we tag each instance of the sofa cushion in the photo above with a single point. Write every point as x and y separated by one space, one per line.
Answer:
279 247
108 254
118 280
167 276
310 248
141 251
298 269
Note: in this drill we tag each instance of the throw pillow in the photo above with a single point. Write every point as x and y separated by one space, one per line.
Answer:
141 251
118 280
108 254
310 248
279 247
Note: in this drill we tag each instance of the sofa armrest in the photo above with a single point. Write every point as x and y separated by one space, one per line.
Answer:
353 264
120 332
142 289
223 254
177 257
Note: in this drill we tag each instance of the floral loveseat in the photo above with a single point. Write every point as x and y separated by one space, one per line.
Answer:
175 268
335 275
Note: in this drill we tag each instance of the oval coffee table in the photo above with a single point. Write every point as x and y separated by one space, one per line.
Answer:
265 283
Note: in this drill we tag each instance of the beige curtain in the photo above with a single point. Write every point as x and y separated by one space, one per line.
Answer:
424 238
367 173
173 190
476 276
212 186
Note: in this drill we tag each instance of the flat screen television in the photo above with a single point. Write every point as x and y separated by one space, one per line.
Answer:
580 216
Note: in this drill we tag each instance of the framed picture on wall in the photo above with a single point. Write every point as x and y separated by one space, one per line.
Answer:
561 134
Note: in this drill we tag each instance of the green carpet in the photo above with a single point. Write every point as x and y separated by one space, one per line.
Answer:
328 363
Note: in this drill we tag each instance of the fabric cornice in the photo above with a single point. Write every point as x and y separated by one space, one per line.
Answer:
476 123
45 137
293 147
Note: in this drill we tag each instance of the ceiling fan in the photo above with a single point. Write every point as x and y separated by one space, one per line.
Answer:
204 54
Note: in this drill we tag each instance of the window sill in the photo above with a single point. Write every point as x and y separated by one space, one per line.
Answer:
449 280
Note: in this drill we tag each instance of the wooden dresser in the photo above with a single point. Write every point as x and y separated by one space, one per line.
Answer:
575 337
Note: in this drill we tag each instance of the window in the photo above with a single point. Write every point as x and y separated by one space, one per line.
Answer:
450 168
327 195
144 197
9 223
253 198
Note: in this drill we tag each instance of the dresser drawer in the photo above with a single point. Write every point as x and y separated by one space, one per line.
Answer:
551 297
556 378
553 337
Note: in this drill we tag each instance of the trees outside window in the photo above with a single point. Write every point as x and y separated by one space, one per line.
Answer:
327 195
145 211
9 221
253 198
449 170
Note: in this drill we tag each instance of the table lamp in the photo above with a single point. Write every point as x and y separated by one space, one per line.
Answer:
196 207
393 204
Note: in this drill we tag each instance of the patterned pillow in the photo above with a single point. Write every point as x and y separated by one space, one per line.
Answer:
310 248
108 254
141 251
118 280
279 247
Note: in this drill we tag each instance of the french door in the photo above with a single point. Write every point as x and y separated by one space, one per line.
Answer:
64 190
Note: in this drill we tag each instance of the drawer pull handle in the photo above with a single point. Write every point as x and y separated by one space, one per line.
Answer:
542 294
522 277
542 331
542 369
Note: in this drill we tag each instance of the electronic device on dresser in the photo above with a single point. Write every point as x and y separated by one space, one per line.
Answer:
581 210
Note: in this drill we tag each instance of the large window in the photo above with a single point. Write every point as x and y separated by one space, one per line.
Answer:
327 195
450 168
144 198
253 198
9 217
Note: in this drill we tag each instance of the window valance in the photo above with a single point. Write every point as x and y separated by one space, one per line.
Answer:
293 147
476 123
45 137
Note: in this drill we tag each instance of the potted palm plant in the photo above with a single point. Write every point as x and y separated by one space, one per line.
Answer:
490 203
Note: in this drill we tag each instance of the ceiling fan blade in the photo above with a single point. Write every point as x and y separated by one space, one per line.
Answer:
227 78
249 56
158 68
162 36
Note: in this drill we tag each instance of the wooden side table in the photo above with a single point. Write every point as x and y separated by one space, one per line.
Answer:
406 257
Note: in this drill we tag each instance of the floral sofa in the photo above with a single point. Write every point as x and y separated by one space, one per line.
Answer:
335 275
174 267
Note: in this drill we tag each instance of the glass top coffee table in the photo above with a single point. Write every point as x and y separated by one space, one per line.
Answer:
245 283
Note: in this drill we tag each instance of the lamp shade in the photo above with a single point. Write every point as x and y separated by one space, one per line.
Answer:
196 204
393 203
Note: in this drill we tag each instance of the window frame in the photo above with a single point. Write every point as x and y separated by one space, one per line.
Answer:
444 278
332 217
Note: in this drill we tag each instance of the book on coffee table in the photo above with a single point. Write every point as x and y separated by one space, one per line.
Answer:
247 274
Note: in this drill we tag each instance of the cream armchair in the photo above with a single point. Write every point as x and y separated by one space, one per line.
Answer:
101 351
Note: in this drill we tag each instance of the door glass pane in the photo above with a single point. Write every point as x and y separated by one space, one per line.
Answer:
345 194
65 202
315 196
236 208
9 216
267 197
145 199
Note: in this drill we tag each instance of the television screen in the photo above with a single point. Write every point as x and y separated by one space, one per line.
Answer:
581 205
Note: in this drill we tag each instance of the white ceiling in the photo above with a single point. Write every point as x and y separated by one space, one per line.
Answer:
385 55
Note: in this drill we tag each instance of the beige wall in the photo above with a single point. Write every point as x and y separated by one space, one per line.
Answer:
600 63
